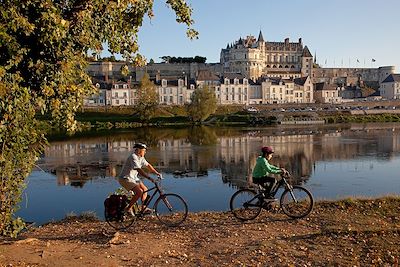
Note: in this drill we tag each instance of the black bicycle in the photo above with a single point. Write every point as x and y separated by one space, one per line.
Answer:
295 201
170 209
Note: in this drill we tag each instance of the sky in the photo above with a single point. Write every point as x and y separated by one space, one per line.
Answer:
338 32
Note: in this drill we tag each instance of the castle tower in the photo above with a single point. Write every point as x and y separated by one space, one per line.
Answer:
306 62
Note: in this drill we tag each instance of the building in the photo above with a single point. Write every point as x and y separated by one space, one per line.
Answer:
175 92
390 87
327 93
255 58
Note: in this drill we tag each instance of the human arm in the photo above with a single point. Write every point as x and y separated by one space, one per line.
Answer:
153 170
144 174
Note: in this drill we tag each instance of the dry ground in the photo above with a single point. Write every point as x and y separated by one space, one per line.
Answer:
341 233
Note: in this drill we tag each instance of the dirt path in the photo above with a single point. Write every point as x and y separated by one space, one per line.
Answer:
344 233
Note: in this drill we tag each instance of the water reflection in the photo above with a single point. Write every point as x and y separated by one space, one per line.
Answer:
205 165
193 151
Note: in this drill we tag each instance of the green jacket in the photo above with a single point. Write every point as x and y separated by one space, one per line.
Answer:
263 168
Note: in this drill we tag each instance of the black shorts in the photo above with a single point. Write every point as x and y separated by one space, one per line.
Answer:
265 181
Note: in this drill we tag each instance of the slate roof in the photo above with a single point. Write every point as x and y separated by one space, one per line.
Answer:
206 75
306 52
392 78
300 81
324 86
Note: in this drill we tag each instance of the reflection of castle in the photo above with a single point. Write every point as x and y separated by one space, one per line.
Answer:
297 149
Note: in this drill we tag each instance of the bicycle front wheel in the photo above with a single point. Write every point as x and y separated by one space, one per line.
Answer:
297 202
171 209
244 204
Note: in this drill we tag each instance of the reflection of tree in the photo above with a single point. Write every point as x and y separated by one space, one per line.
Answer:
151 136
202 135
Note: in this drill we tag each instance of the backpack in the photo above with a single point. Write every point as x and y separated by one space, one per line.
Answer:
114 206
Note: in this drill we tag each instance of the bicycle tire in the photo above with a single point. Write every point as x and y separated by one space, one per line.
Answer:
238 207
121 222
298 206
171 209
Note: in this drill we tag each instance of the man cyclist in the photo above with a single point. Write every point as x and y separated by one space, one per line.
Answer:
263 168
129 176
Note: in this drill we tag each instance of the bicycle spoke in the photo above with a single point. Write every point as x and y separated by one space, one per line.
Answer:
244 204
171 209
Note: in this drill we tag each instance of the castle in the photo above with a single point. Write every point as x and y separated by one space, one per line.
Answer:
251 71
255 58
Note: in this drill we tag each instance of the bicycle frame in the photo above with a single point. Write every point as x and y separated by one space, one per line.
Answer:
281 183
157 189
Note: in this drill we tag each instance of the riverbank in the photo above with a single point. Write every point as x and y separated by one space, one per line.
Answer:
352 232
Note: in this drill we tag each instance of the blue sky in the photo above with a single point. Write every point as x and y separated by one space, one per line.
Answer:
338 31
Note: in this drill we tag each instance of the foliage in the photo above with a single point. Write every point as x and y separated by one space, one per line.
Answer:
196 59
147 99
203 104
44 49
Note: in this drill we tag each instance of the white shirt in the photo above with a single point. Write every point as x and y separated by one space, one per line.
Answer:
132 163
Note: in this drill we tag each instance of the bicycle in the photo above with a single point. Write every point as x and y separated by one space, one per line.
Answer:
295 201
170 209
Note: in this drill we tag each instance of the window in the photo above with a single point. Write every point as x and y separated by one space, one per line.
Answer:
125 86
125 95
116 94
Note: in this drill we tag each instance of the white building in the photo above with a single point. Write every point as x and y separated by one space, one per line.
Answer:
175 92
390 87
327 93
120 94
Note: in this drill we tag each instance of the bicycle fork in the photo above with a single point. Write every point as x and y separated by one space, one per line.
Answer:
165 200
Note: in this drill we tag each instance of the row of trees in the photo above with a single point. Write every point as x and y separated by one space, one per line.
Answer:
196 59
203 102
43 59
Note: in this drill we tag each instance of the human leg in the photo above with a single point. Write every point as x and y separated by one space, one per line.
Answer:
134 187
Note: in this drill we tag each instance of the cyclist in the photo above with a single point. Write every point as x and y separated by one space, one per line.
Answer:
129 176
263 168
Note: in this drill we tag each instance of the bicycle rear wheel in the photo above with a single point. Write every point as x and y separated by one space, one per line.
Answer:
244 204
297 203
120 221
171 209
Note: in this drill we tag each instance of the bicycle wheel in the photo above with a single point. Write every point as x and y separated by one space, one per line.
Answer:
171 209
297 203
244 205
120 221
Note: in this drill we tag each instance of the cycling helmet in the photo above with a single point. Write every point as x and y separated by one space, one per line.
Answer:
267 150
140 146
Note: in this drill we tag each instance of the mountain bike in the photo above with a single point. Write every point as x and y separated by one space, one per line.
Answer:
295 201
170 209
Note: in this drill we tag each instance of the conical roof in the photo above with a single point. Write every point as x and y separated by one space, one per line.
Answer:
260 37
306 52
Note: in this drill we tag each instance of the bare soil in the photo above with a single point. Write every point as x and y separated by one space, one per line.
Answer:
343 233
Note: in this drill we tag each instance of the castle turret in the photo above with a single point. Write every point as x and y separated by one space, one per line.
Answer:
306 62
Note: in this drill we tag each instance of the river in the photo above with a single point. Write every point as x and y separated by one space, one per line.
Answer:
206 165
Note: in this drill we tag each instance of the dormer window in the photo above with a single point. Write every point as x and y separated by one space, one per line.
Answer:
164 83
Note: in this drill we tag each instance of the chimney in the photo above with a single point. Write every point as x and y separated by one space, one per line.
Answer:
300 41
158 76
286 41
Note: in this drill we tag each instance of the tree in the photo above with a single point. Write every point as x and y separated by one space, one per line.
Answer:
44 48
203 104
147 99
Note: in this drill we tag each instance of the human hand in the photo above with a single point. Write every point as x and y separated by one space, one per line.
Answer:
284 172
